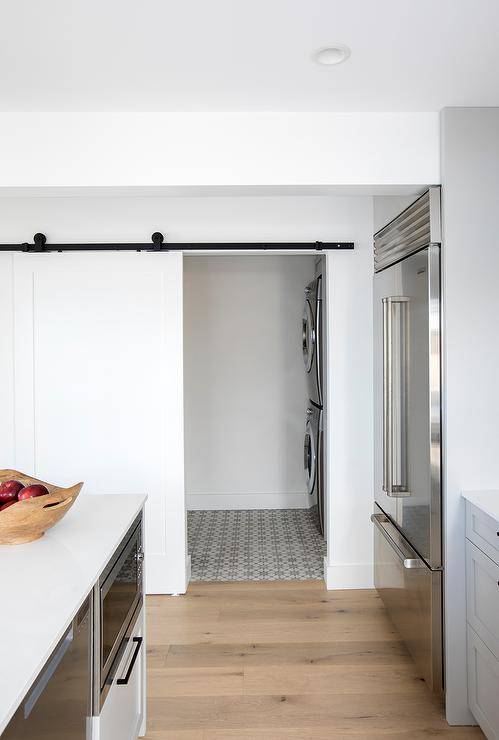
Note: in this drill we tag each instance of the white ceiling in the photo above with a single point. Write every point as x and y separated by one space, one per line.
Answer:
221 55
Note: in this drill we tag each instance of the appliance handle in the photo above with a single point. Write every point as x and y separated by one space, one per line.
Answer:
387 399
398 488
138 645
413 563
408 563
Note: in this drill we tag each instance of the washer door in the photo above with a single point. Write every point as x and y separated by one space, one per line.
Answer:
309 455
308 336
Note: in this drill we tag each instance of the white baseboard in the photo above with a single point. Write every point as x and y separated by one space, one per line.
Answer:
218 501
161 575
348 575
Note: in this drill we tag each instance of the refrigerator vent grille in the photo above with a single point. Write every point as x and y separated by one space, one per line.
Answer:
413 229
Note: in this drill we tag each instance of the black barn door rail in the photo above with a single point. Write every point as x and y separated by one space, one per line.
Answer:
158 244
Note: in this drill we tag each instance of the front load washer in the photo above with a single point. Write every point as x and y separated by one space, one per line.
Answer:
313 459
312 344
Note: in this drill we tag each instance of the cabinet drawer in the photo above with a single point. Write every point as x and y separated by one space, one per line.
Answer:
122 713
483 685
483 531
412 595
482 597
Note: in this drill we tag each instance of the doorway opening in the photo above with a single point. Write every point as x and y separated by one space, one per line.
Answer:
254 328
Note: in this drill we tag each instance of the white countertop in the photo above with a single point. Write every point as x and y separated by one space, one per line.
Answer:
43 584
487 501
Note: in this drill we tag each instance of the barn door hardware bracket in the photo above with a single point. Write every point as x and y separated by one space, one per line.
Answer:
39 242
158 242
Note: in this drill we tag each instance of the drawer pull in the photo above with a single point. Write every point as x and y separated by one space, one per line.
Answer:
138 645
378 520
411 563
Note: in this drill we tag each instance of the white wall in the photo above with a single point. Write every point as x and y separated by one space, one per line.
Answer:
218 149
350 404
211 219
244 381
470 178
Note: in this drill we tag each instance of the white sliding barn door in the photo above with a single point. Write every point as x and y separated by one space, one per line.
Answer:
98 386
6 361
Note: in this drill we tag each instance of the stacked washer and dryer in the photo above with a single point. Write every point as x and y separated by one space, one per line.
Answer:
313 351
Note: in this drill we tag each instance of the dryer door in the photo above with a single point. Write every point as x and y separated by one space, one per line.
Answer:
310 453
308 336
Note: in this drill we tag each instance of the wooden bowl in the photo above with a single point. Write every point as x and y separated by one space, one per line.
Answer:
28 520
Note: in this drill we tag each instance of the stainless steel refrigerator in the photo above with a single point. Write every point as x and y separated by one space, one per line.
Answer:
407 387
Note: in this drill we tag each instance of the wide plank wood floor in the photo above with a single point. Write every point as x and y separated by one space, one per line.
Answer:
283 661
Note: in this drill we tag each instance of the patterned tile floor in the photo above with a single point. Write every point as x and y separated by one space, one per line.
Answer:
255 545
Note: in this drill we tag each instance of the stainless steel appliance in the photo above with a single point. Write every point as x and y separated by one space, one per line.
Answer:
313 458
407 379
312 339
58 704
312 347
118 599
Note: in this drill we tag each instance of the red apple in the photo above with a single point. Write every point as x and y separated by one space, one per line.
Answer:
6 506
9 490
37 489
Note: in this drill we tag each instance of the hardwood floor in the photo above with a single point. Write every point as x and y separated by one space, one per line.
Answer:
283 661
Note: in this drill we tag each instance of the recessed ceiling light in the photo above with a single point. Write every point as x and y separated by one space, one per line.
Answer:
333 54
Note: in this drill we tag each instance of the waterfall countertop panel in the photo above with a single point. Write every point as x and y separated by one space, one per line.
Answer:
487 501
45 582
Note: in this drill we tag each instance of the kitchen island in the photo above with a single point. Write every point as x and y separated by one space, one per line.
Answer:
482 607
46 582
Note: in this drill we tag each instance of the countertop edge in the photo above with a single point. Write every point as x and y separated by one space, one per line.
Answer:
85 590
485 500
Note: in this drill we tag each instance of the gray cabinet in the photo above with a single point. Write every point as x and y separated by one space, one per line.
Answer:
482 605
483 685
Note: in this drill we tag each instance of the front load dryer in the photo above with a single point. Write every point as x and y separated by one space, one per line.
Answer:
313 459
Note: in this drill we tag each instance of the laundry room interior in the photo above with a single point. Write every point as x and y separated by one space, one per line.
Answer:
261 428
254 415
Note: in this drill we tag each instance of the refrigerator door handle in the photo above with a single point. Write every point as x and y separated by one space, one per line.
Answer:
387 400
395 399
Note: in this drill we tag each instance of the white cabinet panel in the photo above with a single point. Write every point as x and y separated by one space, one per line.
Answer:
98 394
483 531
482 603
482 584
122 713
483 685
